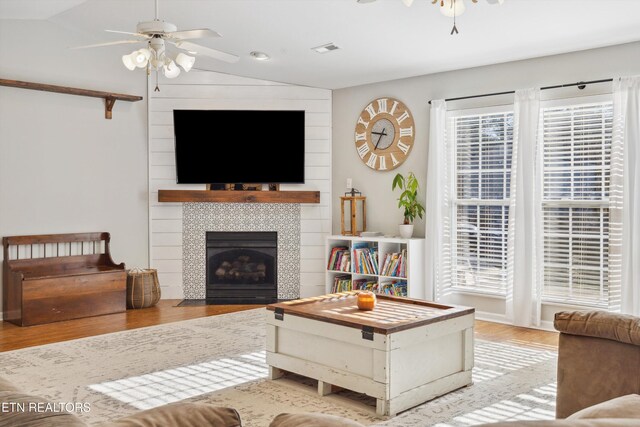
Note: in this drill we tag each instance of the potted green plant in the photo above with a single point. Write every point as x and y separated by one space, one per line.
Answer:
408 201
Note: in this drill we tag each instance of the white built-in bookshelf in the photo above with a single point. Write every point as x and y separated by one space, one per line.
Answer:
388 265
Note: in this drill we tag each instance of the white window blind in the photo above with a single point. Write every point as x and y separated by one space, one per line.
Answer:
483 148
575 205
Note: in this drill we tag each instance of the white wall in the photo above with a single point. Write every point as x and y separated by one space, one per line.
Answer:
63 167
383 215
210 90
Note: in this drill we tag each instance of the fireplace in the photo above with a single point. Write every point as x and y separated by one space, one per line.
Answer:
241 267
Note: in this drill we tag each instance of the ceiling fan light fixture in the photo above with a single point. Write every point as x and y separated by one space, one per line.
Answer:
171 71
185 61
156 62
407 3
141 57
453 8
128 62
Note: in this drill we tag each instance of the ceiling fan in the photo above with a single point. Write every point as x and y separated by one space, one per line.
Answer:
157 34
449 8
449 3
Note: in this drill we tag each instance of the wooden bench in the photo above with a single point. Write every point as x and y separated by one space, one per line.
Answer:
49 278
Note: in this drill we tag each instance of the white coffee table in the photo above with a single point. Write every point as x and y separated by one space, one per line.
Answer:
403 353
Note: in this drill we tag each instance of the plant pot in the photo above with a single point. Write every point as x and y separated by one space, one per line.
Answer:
406 230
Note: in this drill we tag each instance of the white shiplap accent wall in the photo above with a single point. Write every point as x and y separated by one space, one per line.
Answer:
209 90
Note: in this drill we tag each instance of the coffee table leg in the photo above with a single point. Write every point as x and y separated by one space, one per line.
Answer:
275 373
382 407
324 388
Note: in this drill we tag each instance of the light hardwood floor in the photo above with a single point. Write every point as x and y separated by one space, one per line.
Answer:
15 337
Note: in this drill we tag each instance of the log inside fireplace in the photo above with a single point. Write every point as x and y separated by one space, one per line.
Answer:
242 267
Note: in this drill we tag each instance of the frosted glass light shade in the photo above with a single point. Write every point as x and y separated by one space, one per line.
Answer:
185 61
128 62
141 57
449 10
171 70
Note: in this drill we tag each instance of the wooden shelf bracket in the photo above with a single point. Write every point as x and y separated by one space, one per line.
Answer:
110 98
108 106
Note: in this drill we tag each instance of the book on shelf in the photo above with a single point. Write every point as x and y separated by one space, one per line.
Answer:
394 264
339 259
396 288
365 285
365 258
345 283
341 284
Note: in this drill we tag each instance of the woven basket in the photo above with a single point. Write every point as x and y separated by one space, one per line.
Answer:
143 289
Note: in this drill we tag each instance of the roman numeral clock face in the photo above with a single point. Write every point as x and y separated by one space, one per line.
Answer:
384 134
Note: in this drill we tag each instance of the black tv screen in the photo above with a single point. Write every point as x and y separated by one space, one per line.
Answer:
239 146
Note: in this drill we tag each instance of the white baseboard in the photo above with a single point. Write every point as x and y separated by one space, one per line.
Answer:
172 292
492 317
545 325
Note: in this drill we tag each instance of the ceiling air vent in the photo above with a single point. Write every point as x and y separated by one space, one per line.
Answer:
325 48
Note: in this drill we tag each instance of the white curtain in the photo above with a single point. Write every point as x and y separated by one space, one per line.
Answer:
523 245
625 195
437 206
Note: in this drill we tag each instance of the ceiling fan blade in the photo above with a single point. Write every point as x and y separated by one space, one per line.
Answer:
407 3
206 51
128 33
193 34
107 44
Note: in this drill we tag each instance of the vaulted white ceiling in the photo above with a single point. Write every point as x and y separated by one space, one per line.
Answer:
34 9
378 41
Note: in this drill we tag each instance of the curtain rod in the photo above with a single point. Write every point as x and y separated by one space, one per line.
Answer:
581 85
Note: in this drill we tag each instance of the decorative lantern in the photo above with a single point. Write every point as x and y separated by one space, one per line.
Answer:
353 198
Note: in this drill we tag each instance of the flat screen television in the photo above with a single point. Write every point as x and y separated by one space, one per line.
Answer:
239 146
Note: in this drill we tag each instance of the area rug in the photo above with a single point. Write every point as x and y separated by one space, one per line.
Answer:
221 360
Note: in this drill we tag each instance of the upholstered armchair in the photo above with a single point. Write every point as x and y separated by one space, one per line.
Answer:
598 358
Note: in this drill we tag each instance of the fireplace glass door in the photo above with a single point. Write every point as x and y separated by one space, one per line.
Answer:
241 267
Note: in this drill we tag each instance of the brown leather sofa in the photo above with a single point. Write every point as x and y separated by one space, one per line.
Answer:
598 358
598 371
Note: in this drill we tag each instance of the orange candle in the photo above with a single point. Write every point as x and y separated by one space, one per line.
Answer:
366 301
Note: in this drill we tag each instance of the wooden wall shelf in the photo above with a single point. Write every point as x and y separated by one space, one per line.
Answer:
110 98
177 196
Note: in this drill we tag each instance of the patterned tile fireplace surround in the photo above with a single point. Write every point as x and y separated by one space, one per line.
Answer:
198 218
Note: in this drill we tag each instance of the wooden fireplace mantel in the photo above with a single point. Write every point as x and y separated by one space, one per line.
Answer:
223 196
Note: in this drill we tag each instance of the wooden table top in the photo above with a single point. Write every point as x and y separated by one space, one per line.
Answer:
391 314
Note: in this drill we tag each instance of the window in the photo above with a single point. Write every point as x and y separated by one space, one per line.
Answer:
483 147
575 203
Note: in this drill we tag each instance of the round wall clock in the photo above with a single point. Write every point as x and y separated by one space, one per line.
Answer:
384 134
